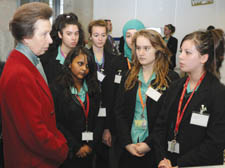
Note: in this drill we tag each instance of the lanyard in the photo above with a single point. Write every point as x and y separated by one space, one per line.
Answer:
128 64
100 67
140 96
86 111
62 53
179 114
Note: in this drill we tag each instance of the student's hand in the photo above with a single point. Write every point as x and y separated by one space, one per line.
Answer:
84 151
142 148
107 138
165 163
132 148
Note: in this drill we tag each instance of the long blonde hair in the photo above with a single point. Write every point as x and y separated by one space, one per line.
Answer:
162 59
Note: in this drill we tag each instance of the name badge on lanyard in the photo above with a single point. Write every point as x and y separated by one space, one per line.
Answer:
102 112
141 124
118 77
200 119
100 76
87 136
154 94
173 146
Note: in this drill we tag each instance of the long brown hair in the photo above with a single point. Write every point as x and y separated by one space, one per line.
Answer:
162 58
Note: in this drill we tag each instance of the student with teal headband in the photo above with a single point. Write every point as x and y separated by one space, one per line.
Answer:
119 66
129 29
139 98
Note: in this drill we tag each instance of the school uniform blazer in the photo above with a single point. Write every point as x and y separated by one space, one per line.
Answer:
52 67
125 109
30 136
199 146
172 46
70 119
105 87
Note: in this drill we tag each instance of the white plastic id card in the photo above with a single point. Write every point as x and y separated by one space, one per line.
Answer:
152 93
87 136
199 119
102 112
100 76
117 79
173 146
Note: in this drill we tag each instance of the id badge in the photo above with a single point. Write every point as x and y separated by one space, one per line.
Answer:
102 112
87 136
173 146
100 76
152 93
199 119
117 79
142 124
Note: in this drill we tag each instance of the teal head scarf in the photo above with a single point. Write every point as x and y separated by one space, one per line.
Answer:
131 24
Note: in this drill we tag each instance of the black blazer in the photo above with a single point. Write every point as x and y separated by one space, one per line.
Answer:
118 64
110 46
71 120
125 108
199 146
172 46
105 87
52 67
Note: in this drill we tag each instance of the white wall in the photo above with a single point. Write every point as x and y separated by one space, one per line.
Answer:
154 13
7 8
157 13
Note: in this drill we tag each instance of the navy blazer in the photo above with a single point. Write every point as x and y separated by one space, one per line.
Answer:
199 146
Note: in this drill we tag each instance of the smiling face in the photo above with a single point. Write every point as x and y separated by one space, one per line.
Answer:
41 38
145 51
190 59
98 36
69 36
79 67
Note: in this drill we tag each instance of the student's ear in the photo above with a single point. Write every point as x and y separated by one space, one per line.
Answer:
70 66
204 58
59 34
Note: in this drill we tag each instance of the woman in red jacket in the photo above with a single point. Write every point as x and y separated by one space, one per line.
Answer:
30 136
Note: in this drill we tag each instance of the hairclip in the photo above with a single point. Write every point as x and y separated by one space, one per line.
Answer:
68 16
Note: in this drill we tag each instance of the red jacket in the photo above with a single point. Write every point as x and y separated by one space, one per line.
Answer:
30 136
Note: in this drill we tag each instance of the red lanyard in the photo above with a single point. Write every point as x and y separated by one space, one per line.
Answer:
128 64
86 111
140 96
180 116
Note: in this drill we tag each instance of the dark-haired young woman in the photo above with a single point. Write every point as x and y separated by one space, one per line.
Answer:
66 34
191 126
77 98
